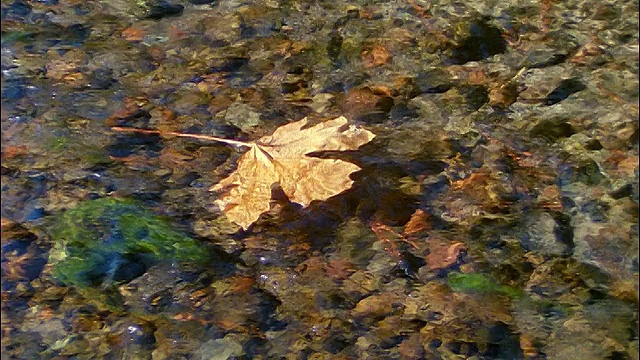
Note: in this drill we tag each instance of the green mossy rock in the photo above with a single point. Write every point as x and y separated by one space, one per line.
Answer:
108 240
480 284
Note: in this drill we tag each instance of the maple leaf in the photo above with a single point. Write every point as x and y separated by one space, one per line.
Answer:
282 159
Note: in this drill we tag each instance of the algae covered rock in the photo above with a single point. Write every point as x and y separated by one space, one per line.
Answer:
113 240
480 284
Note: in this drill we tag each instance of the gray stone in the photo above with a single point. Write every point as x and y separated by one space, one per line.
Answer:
541 236
242 116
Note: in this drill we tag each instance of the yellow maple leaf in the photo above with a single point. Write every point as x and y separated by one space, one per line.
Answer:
282 158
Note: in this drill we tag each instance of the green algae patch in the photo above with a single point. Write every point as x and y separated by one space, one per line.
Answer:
479 284
106 241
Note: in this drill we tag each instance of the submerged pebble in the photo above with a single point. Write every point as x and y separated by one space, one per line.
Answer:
495 215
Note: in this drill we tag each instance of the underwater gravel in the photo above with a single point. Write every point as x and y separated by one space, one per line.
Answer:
495 216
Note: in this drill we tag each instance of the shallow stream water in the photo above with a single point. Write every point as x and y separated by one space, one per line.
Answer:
495 215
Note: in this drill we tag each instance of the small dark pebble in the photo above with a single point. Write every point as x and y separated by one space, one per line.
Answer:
334 47
401 112
564 90
622 192
230 65
484 40
102 79
552 130
163 9
542 60
593 145
434 81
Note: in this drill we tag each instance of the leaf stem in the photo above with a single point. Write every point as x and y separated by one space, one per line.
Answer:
193 136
